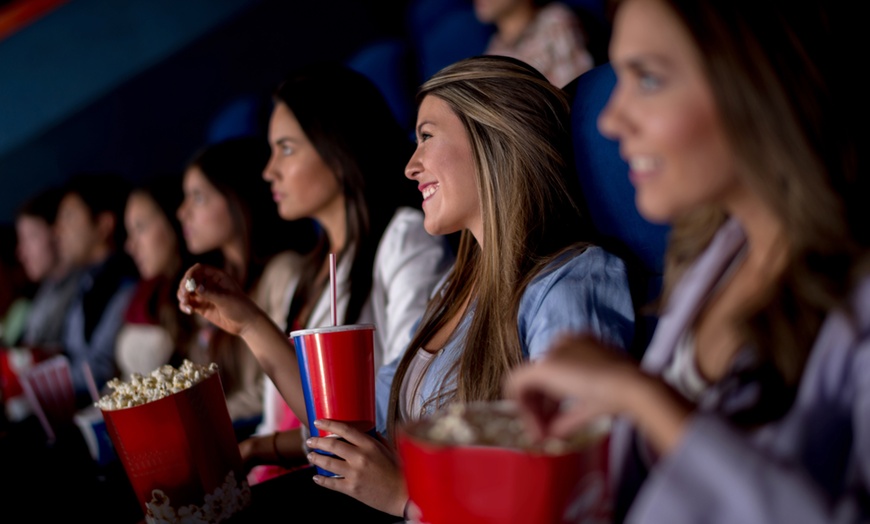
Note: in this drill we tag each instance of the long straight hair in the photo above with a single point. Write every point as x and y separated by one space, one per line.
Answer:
517 123
351 126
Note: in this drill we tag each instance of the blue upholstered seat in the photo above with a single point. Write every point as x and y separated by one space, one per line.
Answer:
388 63
610 196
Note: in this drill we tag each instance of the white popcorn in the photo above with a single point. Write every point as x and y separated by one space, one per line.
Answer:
483 424
226 500
162 382
190 285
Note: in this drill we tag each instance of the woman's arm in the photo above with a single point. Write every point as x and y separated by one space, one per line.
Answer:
219 299
579 379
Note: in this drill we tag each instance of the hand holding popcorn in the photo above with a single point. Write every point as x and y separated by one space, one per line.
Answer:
217 297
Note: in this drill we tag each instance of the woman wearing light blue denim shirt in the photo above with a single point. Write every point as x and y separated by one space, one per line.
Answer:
492 163
581 292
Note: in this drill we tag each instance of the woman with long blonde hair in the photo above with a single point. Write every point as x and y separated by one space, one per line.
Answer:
492 162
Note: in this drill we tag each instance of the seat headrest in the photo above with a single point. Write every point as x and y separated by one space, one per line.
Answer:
610 198
604 175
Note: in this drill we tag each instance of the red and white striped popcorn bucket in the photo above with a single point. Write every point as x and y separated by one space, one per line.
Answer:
181 455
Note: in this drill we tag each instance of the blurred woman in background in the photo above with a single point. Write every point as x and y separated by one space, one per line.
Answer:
744 125
336 154
155 332
227 214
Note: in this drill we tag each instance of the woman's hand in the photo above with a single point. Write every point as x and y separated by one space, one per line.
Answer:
370 467
218 298
577 381
580 379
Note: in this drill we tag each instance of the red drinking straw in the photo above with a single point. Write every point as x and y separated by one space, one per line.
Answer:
332 288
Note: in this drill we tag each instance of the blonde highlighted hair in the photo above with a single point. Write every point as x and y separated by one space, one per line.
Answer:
518 126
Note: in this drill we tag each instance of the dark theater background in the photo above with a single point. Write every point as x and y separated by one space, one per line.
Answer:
136 86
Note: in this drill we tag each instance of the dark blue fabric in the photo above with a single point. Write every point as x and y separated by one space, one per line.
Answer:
387 63
454 36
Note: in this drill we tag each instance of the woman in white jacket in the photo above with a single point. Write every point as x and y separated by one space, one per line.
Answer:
337 158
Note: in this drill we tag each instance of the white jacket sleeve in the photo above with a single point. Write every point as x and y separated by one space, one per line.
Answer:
408 265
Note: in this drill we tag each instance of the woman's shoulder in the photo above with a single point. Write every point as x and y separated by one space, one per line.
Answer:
277 276
582 290
589 263
406 247
579 271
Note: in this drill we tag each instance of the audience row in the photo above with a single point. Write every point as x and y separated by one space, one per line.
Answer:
742 127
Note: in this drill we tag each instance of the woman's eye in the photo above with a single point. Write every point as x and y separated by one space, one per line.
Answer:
649 82
286 150
424 137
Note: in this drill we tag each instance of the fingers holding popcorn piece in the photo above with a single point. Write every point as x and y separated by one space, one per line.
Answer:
217 297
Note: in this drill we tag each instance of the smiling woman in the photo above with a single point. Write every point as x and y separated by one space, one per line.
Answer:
336 159
492 160
744 125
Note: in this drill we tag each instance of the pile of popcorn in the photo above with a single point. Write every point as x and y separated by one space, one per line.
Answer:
221 505
488 424
162 382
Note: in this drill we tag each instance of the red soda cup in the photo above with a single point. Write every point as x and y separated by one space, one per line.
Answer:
337 367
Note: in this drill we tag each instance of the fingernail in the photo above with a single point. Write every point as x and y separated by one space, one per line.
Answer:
310 456
186 309
318 423
317 479
310 443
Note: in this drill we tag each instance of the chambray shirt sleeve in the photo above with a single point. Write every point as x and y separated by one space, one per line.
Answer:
383 383
587 294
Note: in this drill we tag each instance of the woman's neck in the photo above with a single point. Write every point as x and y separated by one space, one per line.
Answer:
235 261
767 242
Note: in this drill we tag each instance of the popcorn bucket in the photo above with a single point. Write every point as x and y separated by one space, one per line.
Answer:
14 363
486 484
49 389
181 455
337 368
